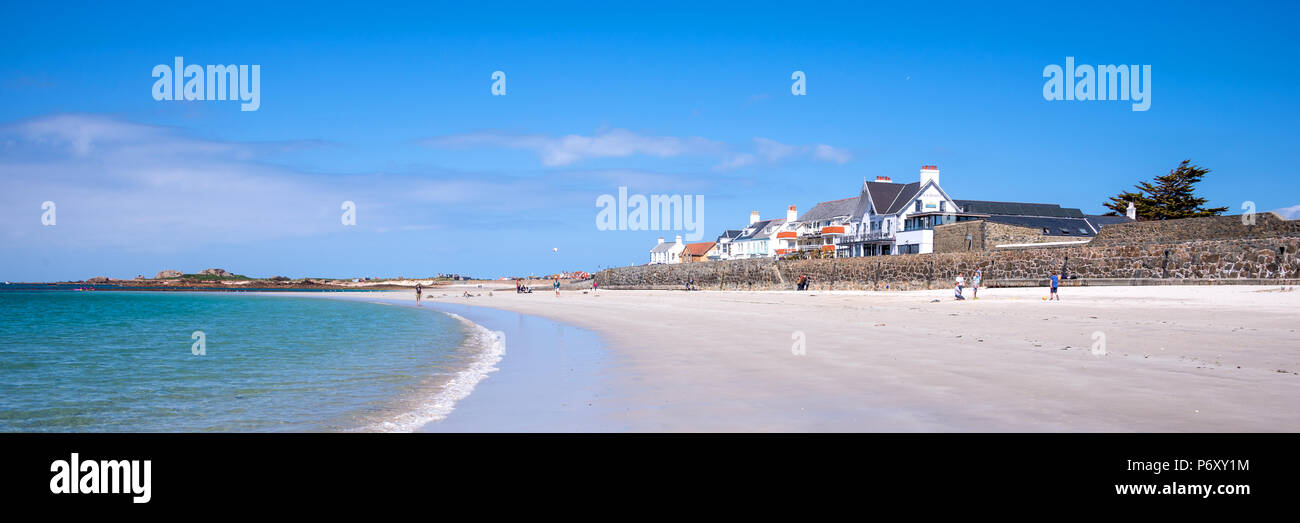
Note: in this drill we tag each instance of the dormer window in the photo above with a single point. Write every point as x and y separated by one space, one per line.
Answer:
918 205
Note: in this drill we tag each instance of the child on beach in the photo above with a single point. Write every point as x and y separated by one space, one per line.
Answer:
956 292
975 283
1055 281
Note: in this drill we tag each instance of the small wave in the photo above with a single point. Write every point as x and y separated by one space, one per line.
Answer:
491 347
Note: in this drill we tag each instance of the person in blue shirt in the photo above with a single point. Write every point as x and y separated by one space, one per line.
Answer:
1055 282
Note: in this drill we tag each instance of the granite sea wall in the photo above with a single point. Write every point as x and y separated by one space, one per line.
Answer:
1193 251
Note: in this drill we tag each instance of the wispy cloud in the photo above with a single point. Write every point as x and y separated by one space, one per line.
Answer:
573 148
1290 213
620 143
136 187
769 151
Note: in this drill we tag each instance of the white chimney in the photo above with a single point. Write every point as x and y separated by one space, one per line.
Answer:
1132 211
928 173
661 239
791 215
679 239
753 217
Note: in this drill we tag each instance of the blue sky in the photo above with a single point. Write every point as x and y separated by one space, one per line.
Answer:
391 108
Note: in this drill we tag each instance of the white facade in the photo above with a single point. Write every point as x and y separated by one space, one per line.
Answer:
667 252
904 225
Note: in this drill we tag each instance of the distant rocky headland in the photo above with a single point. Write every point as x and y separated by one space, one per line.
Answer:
221 279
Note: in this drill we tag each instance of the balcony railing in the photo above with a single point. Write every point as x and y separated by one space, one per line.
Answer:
869 236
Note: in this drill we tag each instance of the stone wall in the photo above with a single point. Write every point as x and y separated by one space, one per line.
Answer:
1266 225
986 235
1194 261
952 237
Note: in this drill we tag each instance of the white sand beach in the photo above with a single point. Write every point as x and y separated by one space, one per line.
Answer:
1177 358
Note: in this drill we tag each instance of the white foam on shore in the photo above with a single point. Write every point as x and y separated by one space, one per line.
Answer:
491 347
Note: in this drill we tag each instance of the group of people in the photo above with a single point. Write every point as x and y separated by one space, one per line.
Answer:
1054 280
975 285
520 288
803 282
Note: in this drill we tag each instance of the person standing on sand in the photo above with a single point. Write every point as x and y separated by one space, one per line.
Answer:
975 283
418 290
1055 281
595 287
557 287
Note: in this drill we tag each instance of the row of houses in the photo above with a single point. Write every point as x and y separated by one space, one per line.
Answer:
885 218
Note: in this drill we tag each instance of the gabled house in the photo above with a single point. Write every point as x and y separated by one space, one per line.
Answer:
667 252
698 252
885 218
759 239
723 250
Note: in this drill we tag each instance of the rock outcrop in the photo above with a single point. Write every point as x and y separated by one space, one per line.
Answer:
162 275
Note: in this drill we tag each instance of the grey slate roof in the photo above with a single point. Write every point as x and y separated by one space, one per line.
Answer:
892 198
1018 209
1077 227
663 247
760 229
831 209
729 233
1098 220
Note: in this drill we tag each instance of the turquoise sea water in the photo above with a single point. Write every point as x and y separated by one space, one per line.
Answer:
124 362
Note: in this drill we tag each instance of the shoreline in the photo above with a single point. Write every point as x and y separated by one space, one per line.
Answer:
1177 359
535 374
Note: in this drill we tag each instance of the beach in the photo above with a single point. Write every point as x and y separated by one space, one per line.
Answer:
1161 358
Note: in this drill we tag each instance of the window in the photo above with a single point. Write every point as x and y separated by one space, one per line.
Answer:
941 205
918 205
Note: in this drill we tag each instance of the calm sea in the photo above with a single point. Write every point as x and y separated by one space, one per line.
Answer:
123 362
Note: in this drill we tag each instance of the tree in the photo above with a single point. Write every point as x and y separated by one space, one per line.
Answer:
1171 196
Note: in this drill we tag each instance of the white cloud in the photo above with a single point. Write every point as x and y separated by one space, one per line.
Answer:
827 153
771 151
573 148
150 188
620 143
1290 213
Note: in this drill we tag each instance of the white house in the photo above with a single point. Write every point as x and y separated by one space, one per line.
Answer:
760 239
723 250
667 252
885 218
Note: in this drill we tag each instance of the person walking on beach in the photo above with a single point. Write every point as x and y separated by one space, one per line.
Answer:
975 283
557 287
595 287
418 290
519 286
1055 281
